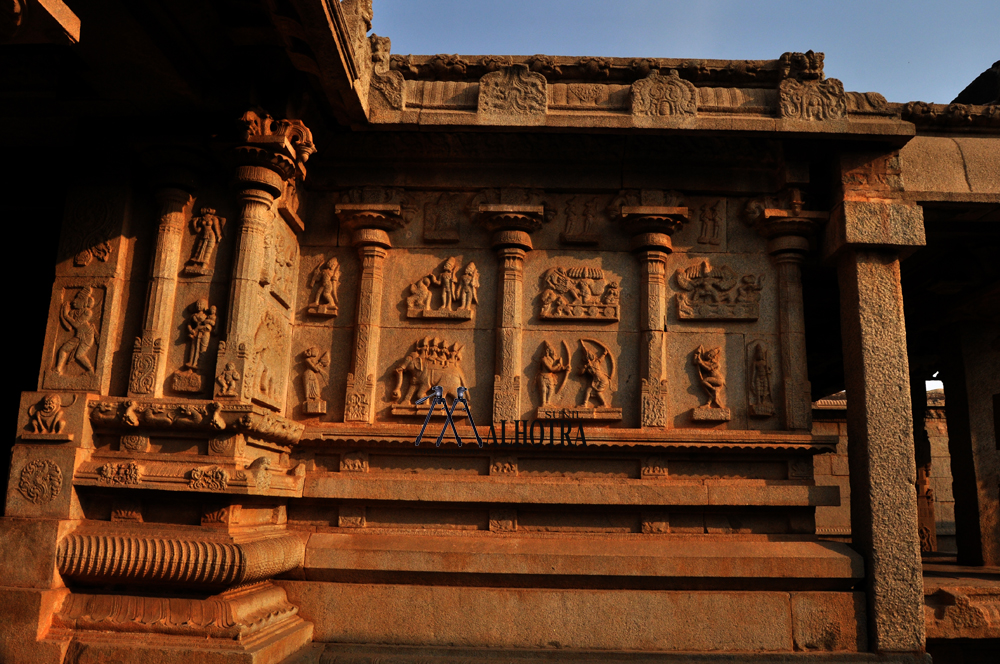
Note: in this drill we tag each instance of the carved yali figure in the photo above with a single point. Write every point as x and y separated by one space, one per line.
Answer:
709 365
313 377
324 280
712 293
207 229
579 293
75 316
46 416
456 286
432 362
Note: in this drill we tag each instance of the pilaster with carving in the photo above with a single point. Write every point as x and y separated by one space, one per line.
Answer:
148 370
787 228
511 216
271 157
652 217
370 215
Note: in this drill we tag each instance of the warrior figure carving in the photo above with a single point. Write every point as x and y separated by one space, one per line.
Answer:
549 366
600 380
432 363
75 316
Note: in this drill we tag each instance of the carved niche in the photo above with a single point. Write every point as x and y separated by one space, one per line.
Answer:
664 95
199 332
580 221
513 90
207 231
761 401
715 293
712 380
812 100
454 291
324 282
579 293
599 372
441 218
431 362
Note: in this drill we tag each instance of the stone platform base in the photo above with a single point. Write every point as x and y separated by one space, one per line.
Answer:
320 653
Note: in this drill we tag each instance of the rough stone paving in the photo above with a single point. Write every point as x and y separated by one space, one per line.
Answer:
277 237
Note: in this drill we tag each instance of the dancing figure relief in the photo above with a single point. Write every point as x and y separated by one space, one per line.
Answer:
207 229
708 363
75 317
324 283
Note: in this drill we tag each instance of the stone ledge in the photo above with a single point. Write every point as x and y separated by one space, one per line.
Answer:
498 489
677 557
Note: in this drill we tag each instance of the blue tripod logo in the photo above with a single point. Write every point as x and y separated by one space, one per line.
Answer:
437 398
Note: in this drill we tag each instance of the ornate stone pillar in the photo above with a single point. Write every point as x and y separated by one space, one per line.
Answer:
651 227
370 225
511 225
867 231
148 359
787 229
273 153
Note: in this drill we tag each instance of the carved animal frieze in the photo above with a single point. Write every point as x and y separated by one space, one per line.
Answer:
668 95
812 100
512 91
156 415
277 429
324 283
433 361
599 372
351 516
128 473
40 481
207 229
503 465
712 380
354 462
579 293
503 521
451 293
717 293
759 375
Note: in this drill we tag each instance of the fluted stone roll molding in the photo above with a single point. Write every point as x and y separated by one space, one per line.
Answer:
179 562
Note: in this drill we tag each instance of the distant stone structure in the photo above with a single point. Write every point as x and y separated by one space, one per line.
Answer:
677 256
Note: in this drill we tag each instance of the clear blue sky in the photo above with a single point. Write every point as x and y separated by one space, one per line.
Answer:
918 50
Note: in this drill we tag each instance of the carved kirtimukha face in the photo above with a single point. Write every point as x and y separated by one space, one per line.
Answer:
51 404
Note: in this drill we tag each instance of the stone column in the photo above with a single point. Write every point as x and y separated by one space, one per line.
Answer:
148 360
972 393
864 238
370 224
651 227
510 225
787 231
274 152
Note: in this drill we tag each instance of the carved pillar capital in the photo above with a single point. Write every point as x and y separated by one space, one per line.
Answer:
785 224
650 216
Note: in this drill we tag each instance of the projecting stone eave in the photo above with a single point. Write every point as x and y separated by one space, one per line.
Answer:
788 96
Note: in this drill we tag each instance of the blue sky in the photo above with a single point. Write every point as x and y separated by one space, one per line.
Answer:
917 50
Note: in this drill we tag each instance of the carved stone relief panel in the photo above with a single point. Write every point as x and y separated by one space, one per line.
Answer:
443 217
324 286
82 317
760 395
431 361
451 291
314 377
93 230
199 330
708 292
207 229
265 375
41 482
579 293
281 259
658 95
706 376
595 365
812 100
511 93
